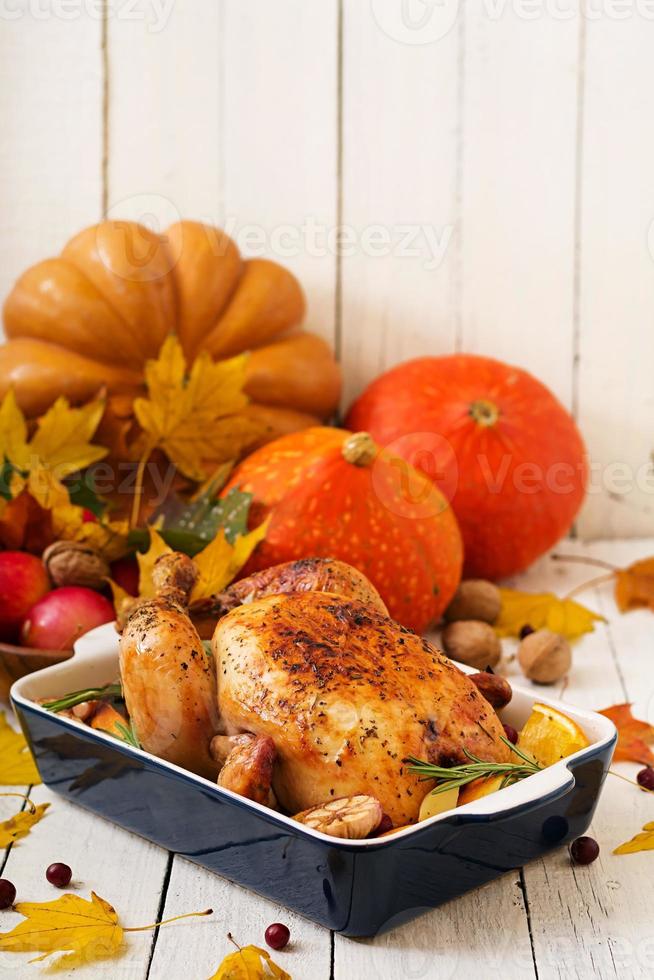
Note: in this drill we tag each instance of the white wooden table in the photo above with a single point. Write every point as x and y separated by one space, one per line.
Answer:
547 920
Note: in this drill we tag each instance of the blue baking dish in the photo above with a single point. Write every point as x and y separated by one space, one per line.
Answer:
358 888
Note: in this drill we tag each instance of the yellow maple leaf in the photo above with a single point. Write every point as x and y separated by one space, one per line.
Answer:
217 564
87 930
17 767
220 562
641 842
146 562
108 538
194 417
543 610
20 824
13 432
249 963
60 446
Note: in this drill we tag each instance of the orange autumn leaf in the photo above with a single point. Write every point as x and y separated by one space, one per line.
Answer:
634 586
634 736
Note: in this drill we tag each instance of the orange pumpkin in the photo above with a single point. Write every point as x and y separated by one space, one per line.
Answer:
330 493
495 440
92 316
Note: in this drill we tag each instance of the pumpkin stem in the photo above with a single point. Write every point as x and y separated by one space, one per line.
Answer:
359 449
484 413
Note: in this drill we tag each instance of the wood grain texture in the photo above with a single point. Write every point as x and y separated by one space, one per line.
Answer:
594 921
51 147
279 140
616 396
165 111
123 869
240 912
518 188
399 193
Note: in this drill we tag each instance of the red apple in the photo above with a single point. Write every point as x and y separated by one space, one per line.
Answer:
23 580
63 615
125 573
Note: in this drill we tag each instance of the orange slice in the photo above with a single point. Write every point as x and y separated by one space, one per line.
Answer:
550 735
478 788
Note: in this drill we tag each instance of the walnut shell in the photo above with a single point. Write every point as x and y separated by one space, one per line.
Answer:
473 643
74 563
545 657
475 599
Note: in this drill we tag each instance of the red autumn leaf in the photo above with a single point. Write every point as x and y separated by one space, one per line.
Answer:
634 586
634 736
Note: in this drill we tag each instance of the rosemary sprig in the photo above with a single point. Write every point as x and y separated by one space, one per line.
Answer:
90 694
128 734
458 776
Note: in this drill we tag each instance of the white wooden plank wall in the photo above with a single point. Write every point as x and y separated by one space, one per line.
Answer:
488 164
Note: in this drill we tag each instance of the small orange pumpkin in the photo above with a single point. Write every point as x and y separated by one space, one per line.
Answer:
91 317
330 493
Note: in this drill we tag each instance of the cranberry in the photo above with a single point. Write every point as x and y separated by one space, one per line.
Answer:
59 875
584 850
277 935
646 778
511 734
526 631
7 893
384 824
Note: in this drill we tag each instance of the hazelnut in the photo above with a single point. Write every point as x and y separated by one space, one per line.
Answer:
74 563
494 688
475 599
545 657
473 643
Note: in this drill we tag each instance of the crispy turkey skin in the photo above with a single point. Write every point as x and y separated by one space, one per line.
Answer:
346 694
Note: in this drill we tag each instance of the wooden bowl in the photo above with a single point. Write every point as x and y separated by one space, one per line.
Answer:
16 661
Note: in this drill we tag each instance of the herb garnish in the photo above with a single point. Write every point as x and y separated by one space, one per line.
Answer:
466 773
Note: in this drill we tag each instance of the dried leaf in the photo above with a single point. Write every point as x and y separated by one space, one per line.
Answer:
17 767
249 963
87 930
634 736
20 825
109 538
158 547
543 610
641 842
194 417
220 562
634 586
60 446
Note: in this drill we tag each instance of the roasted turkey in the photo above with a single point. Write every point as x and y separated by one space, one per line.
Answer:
330 693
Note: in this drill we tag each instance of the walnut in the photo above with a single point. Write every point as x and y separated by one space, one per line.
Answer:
545 657
475 599
74 563
473 643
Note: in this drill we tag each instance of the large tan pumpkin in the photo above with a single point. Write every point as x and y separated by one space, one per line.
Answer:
91 317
